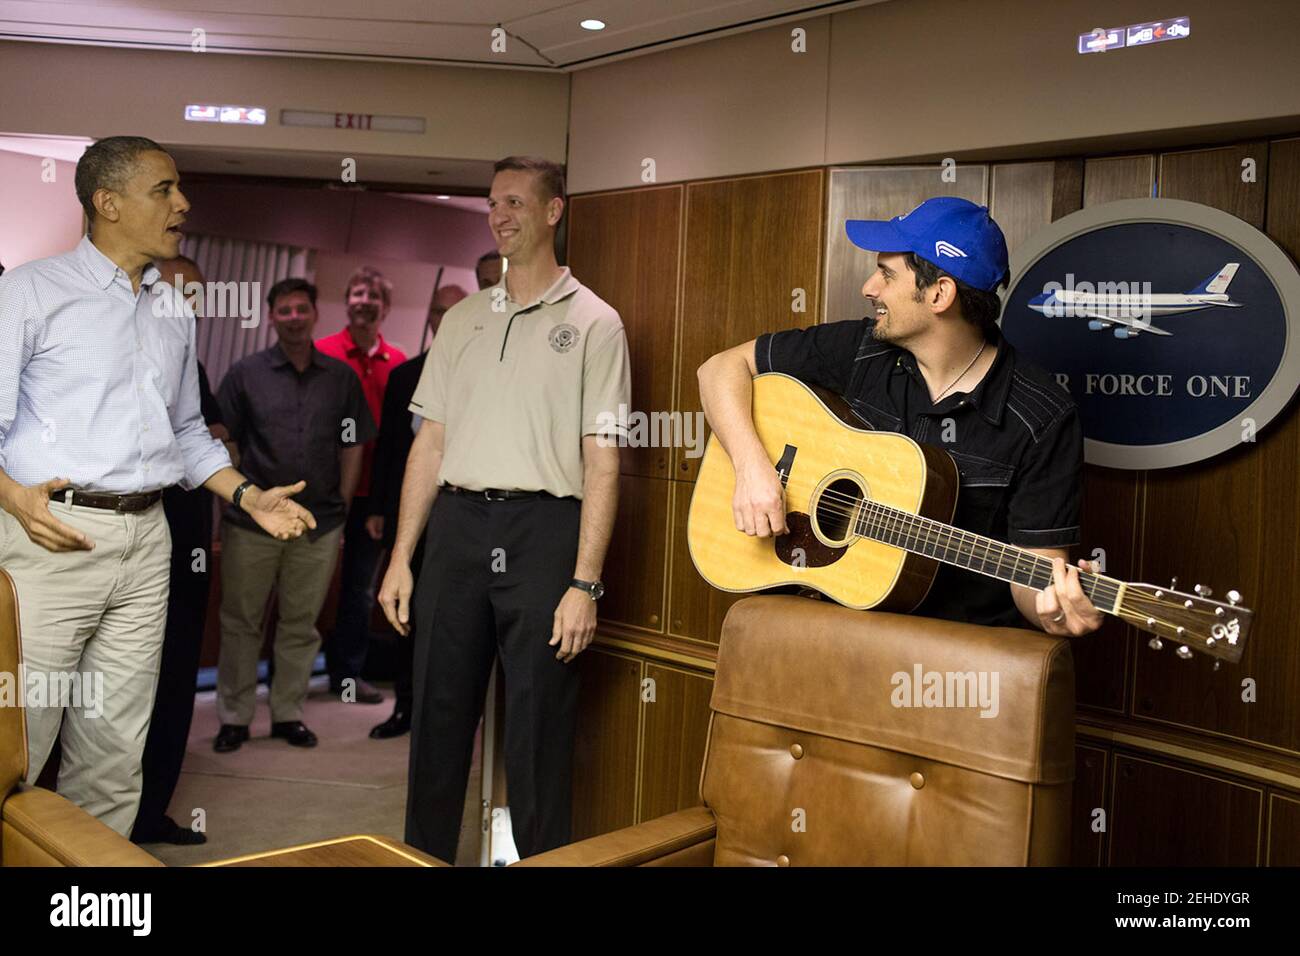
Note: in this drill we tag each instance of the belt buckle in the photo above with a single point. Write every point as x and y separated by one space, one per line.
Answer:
487 494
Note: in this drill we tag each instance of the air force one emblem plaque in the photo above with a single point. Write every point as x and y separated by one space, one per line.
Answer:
1172 324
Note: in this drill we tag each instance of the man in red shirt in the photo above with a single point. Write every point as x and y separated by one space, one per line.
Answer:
361 345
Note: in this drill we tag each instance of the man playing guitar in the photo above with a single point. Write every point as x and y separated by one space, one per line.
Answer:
930 362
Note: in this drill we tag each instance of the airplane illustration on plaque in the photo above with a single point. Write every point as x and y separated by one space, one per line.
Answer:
1130 313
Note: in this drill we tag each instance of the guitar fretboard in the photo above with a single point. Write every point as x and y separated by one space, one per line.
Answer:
943 542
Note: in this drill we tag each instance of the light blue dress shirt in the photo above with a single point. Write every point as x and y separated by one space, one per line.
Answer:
99 384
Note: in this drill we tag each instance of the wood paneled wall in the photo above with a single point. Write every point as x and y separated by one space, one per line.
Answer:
699 267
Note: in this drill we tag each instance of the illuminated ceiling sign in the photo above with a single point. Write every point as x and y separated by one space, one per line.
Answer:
362 121
1137 34
1142 33
207 113
1100 40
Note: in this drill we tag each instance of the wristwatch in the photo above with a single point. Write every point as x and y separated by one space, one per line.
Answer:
595 590
238 496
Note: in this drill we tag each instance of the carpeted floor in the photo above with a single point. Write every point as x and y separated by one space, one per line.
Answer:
267 794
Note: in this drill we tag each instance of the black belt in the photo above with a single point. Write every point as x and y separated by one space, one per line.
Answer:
123 504
496 494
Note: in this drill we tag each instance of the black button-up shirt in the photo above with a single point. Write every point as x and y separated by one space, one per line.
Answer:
1015 437
291 425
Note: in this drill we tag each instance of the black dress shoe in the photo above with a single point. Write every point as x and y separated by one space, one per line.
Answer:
394 726
168 831
294 731
229 737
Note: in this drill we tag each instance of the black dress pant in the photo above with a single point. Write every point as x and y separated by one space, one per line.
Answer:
494 573
189 515
349 642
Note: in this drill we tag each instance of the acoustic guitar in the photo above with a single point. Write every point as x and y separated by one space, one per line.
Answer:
867 514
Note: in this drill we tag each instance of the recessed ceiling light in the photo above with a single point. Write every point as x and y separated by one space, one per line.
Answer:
592 24
441 197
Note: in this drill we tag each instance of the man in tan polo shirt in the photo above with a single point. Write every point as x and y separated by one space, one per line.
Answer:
517 459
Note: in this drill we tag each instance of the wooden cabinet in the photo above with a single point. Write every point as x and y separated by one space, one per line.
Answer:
1165 815
635 563
625 247
642 727
675 730
1283 846
1089 814
752 265
606 743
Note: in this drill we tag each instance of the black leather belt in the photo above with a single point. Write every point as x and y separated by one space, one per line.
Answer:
496 494
123 504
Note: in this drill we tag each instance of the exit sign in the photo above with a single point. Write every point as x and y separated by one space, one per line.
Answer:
367 122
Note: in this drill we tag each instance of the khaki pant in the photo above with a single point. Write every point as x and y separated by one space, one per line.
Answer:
252 562
92 629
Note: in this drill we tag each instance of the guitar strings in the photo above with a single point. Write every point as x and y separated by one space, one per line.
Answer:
933 535
918 524
1138 608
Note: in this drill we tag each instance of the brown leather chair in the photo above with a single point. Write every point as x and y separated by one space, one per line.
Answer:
812 761
39 827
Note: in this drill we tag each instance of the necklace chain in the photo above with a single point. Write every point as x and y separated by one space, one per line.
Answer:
962 375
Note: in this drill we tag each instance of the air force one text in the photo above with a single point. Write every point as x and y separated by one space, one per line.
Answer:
1111 305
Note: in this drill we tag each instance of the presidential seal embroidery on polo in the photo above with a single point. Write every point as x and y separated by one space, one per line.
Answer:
564 337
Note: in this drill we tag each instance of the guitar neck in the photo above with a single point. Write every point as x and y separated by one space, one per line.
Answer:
1006 562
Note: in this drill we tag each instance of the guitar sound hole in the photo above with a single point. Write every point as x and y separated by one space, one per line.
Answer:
836 506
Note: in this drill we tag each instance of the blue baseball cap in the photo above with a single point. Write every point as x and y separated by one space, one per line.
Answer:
954 234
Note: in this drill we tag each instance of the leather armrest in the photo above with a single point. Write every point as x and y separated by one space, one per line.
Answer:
635 845
41 827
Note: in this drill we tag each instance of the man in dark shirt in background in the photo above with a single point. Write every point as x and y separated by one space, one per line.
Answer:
930 361
396 433
189 516
290 409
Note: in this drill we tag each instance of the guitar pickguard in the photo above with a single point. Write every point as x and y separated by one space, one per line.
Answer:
801 548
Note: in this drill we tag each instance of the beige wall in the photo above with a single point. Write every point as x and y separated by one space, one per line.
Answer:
40 218
737 104
913 78
481 114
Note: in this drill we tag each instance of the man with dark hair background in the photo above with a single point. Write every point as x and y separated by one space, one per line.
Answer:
288 407
487 271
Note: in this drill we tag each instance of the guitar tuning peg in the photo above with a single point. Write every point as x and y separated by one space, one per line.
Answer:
1155 643
1217 665
1184 652
1202 590
1173 583
1233 597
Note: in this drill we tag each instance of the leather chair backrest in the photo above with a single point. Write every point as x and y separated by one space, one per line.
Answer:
825 749
13 727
